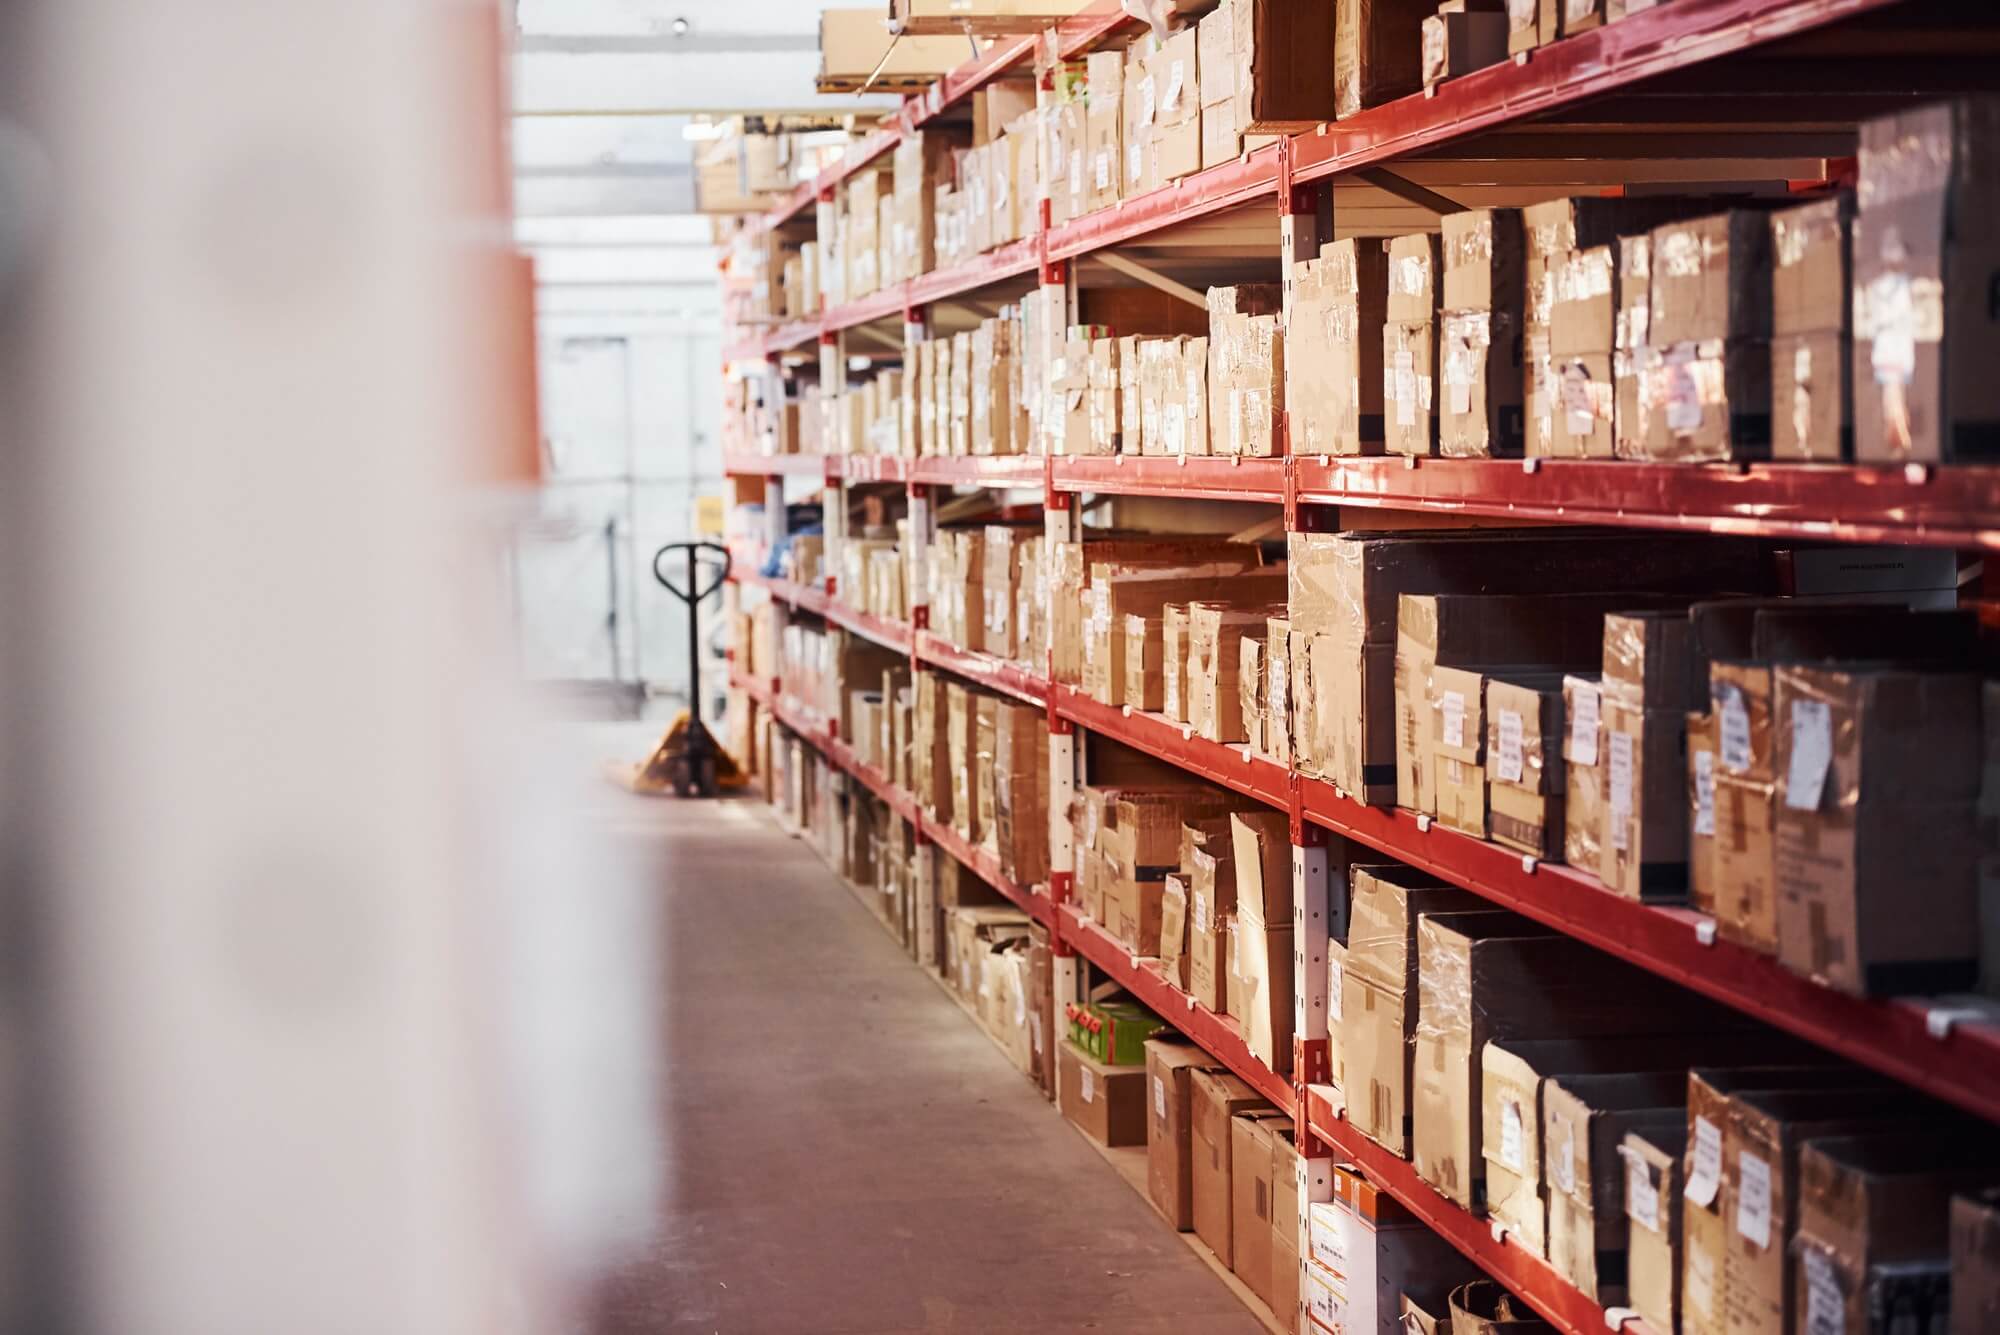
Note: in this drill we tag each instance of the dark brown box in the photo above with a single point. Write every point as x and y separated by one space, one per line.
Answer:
1170 1068
1107 1103
1215 1098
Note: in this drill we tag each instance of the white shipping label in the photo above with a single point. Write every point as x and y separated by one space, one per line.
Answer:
1753 1198
1521 15
1334 978
1020 1010
1075 174
1451 709
1160 1097
1583 726
1619 800
1704 792
1146 100
1402 387
1170 97
1890 314
1201 915
1563 1169
1579 408
1733 735
1173 426
1135 164
1000 191
1577 11
1509 766
1826 1308
1086 1084
1642 1198
1683 392
1103 170
1812 754
1036 1034
1458 369
1512 1153
1707 1175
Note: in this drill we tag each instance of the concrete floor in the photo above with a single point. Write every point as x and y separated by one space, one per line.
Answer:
845 1152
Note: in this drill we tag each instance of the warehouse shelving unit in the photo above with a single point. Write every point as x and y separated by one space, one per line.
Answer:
1690 76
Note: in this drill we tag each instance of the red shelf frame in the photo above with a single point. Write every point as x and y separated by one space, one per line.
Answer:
996 674
1888 1035
1218 1035
1534 1279
1003 471
983 863
1956 506
875 468
748 463
1215 477
1221 763
889 634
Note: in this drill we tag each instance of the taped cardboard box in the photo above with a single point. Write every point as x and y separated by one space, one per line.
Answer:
1334 344
1277 735
1761 1149
1481 978
1170 1068
1377 52
1176 147
1874 1228
1812 394
1250 689
1214 633
1371 1257
1140 109
1582 334
1701 811
1173 661
1021 792
1282 48
1878 778
1106 400
1216 1097
1479 355
1246 368
1103 129
1174 931
1064 160
1924 335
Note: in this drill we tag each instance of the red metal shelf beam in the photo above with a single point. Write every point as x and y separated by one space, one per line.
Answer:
1562 74
1890 1036
983 863
748 463
889 634
875 468
996 674
1231 766
1559 1301
1001 471
1218 1035
1220 477
1948 507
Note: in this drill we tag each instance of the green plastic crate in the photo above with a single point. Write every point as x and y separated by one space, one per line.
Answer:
1113 1032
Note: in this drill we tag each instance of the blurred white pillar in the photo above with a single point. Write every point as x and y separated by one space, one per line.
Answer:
243 615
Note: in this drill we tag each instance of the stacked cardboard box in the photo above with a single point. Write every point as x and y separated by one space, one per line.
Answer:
1812 391
1479 339
1922 232
1409 345
1115 592
1217 1100
1170 1068
1377 53
1463 36
1020 833
1246 369
1333 368
1106 1102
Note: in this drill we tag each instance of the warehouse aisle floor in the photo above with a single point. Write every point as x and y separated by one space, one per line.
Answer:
845 1152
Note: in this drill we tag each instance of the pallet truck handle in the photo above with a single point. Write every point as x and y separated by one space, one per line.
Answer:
694 551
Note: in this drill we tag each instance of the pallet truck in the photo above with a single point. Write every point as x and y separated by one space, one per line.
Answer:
688 761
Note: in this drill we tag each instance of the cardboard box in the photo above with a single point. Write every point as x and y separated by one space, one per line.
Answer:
1652 1161
1812 393
1975 1263
1874 1228
1170 1068
1481 978
1281 52
1585 1120
1246 368
1923 334
1144 679
1377 52
1524 767
1370 1255
1761 1148
1174 930
1644 847
1650 659
1463 36
1103 129
1107 1103
1294 1180
1877 847
1216 1097
1214 702
1253 1199
1333 369
1277 740
1174 70
1479 354
1701 811
1745 806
